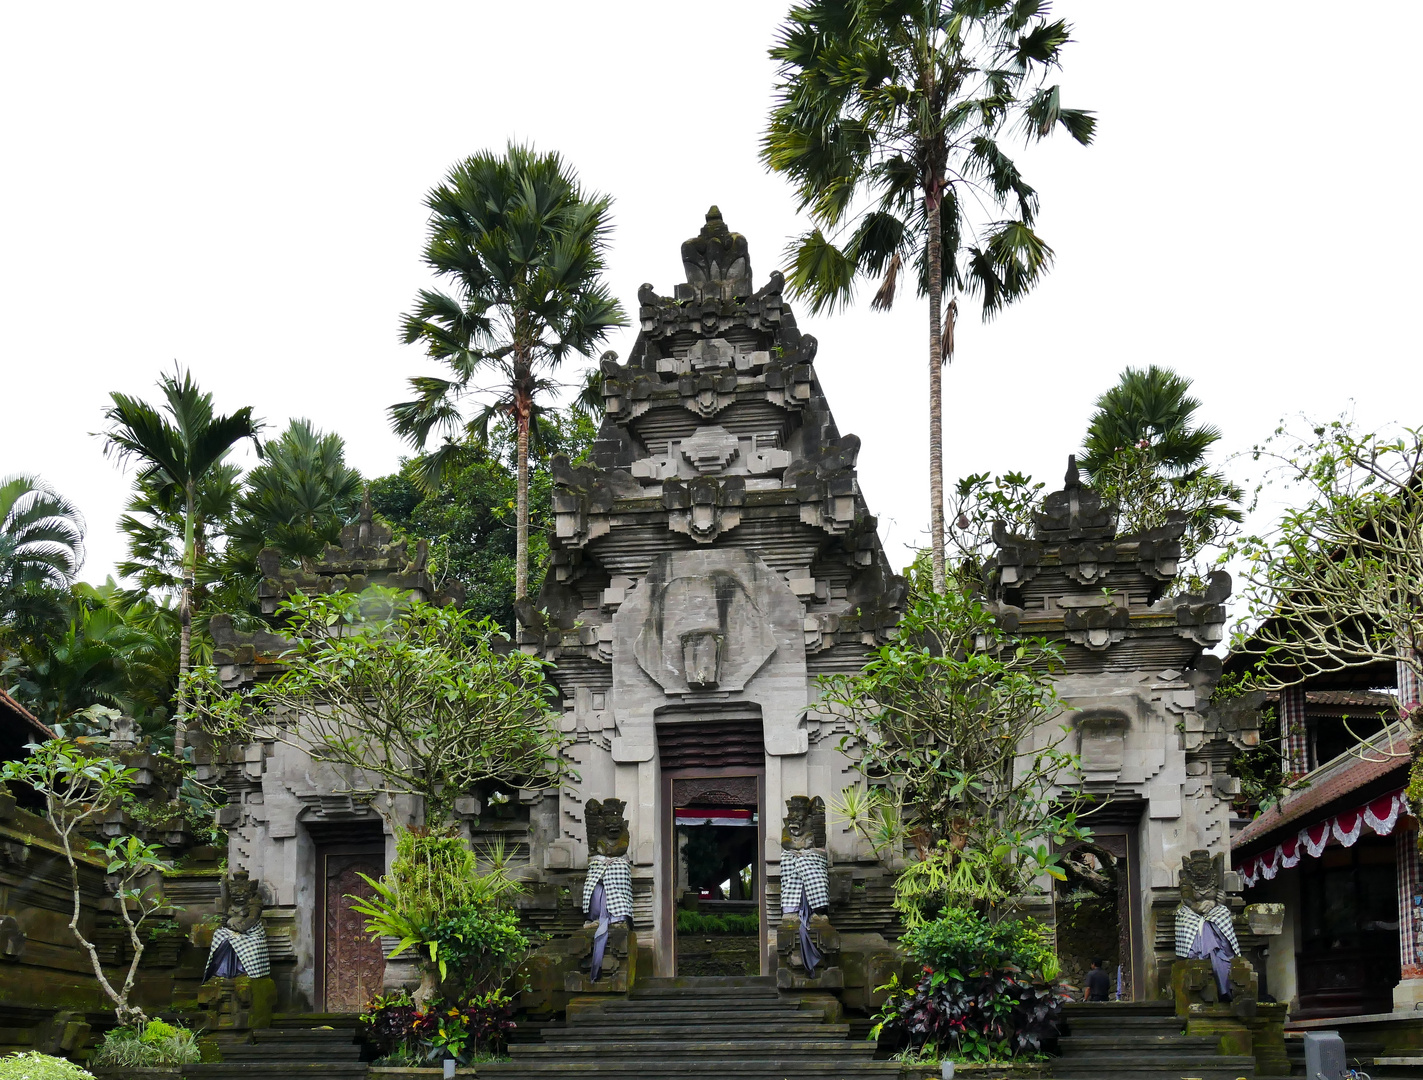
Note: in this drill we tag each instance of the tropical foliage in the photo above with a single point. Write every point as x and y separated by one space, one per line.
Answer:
177 446
984 991
422 698
1146 452
892 120
1338 581
958 760
146 1046
32 1065
41 549
78 788
522 247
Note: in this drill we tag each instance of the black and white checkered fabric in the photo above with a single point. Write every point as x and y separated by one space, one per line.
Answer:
251 949
1188 926
806 872
616 876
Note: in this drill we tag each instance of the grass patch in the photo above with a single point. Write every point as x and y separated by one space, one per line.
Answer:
694 922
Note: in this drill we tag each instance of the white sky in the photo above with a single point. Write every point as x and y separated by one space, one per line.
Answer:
238 188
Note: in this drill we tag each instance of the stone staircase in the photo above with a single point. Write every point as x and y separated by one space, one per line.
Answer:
1139 1040
294 1046
675 1028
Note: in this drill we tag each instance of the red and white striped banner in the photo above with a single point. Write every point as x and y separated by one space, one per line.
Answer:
714 815
1381 816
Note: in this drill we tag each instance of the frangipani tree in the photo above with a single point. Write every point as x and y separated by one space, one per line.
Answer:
424 700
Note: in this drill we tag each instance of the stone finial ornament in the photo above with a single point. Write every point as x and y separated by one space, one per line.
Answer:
717 262
607 827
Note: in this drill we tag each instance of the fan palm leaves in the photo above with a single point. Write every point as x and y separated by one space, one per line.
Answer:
1151 409
176 445
522 248
1146 451
892 119
298 498
41 549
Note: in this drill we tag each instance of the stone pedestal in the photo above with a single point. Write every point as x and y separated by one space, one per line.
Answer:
1199 1004
868 961
239 1004
1267 1032
790 968
559 971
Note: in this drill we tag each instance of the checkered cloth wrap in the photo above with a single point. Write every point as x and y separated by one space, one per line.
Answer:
1188 925
251 949
616 876
805 872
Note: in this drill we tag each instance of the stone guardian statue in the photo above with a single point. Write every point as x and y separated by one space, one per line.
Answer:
1204 929
239 945
607 890
805 871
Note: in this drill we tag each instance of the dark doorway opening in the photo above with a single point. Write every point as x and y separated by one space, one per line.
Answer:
1348 963
350 966
1098 906
718 882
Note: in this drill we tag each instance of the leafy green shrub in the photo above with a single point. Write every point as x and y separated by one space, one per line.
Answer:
478 948
155 1043
984 991
407 1035
964 940
433 875
694 922
33 1066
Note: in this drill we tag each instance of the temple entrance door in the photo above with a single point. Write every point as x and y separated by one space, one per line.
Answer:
1098 911
714 870
350 966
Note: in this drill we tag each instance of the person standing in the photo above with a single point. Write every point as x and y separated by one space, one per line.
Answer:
1098 985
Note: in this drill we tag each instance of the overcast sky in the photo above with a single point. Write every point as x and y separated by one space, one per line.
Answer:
238 188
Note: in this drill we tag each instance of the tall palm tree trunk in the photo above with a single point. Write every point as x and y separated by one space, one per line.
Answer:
936 382
185 620
521 510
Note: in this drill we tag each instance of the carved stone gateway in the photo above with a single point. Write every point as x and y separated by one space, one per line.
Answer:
715 556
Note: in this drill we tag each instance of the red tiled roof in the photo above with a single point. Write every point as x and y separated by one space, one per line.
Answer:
19 712
1376 764
1367 699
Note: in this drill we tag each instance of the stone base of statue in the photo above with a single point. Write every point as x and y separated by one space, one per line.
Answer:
867 962
1200 1004
560 970
1267 1031
239 1004
791 973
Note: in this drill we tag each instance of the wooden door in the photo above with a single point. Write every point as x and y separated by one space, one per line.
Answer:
351 968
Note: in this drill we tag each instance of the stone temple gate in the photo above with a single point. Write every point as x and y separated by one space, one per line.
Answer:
713 559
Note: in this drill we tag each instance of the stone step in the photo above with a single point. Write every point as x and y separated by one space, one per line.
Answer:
602 1032
275 1070
706 982
695 1005
1219 1068
1132 1042
702 1048
746 1068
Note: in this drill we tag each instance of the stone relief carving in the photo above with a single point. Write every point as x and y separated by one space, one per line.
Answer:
703 632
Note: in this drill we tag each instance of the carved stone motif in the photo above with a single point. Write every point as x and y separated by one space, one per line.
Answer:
704 632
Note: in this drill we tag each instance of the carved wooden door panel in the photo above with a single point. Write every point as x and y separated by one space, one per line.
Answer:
352 967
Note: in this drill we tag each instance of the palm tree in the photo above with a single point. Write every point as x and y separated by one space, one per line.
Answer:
1146 452
177 445
41 549
298 499
523 248
889 118
1154 411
